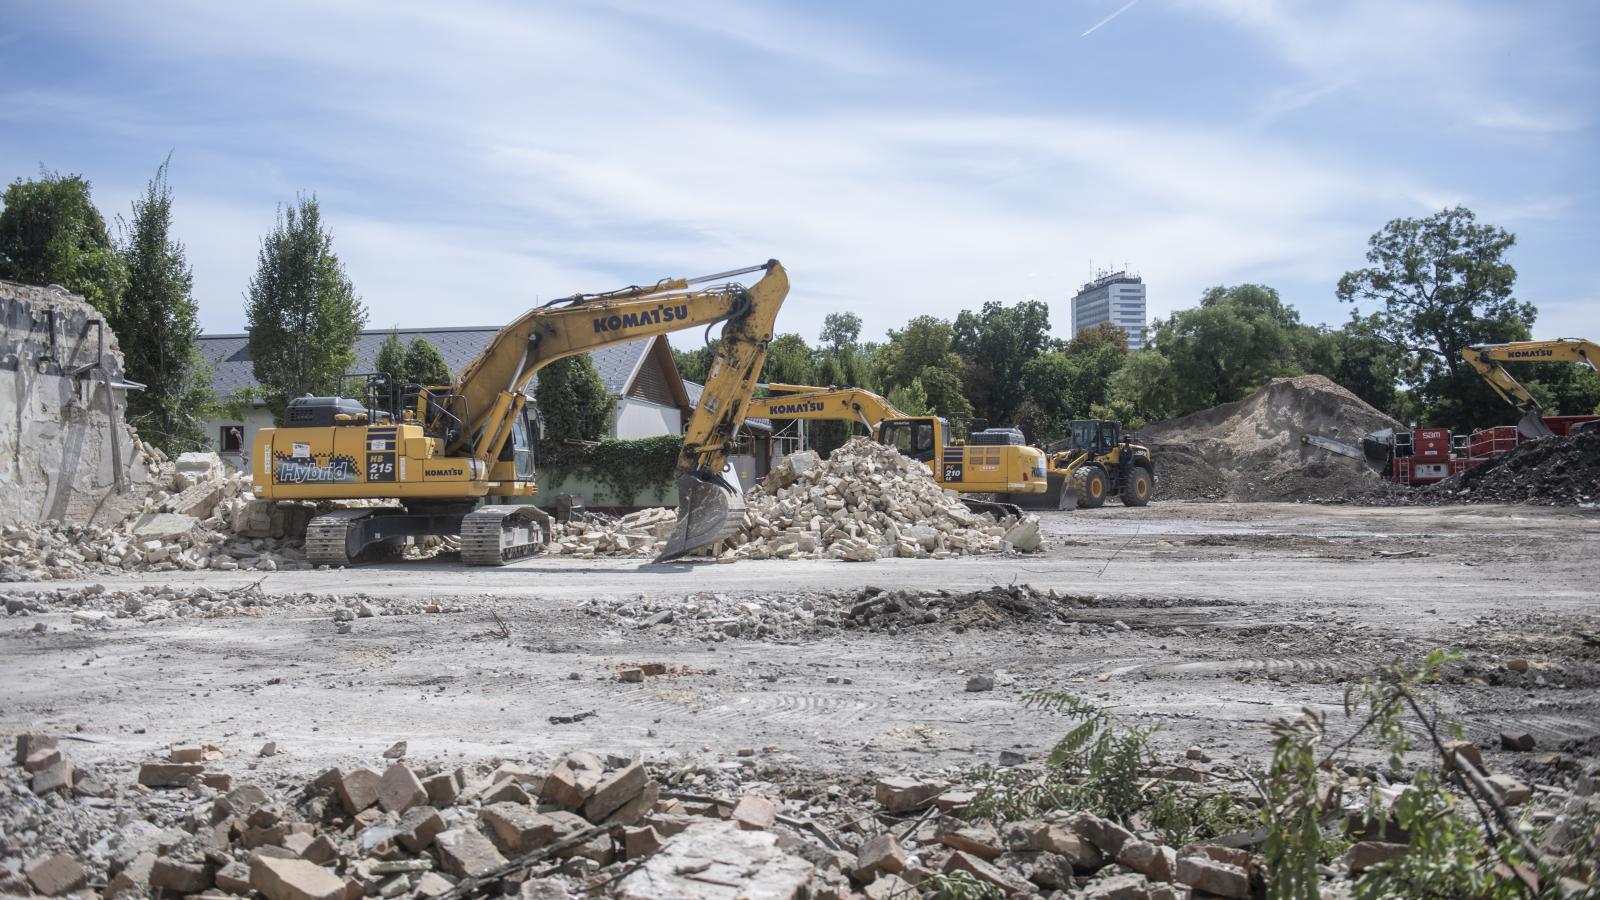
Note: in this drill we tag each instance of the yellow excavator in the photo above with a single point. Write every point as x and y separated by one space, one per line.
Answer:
992 461
1489 361
454 446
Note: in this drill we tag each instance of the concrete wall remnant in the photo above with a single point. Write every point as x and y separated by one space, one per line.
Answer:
66 454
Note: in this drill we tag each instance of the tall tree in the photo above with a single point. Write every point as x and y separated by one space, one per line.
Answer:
573 404
1236 340
391 362
840 330
921 352
158 328
303 314
1436 285
51 233
788 361
997 342
1142 389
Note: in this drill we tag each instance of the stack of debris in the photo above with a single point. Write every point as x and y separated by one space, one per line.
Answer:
865 502
1251 450
94 605
1552 471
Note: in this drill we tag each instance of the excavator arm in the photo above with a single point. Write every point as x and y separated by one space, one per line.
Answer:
800 401
1489 361
491 387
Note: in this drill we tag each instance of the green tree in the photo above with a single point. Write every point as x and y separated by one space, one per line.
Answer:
1437 285
303 314
921 352
788 361
425 365
158 328
695 365
573 404
996 343
51 233
911 399
1365 364
391 360
1236 340
1142 390
840 330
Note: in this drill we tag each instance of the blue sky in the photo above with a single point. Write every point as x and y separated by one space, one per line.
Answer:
900 157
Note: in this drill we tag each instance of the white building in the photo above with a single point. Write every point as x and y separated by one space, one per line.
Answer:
1117 298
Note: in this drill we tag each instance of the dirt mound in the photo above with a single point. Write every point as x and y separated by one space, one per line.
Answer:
1553 471
1250 449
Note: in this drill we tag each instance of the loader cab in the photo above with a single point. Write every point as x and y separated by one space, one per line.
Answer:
1095 437
918 438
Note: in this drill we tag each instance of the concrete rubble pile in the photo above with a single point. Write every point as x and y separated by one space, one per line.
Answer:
865 502
188 822
716 617
199 514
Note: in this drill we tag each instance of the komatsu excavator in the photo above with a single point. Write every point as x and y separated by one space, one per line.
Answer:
992 461
452 447
1489 360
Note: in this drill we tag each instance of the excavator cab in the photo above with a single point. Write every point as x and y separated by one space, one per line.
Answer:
918 438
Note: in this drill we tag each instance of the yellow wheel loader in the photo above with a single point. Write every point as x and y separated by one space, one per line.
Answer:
993 461
454 450
1100 462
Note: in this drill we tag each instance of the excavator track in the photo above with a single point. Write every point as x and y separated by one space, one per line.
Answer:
496 535
328 537
997 508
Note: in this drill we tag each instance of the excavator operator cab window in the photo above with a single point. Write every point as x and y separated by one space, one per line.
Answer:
524 434
912 437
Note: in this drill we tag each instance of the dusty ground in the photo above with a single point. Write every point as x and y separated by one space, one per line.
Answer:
1233 615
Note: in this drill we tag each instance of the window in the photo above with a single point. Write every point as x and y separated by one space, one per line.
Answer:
911 437
231 439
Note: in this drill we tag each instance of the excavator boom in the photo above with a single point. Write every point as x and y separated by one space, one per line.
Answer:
1489 361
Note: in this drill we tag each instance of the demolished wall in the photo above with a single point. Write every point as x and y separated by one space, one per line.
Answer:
65 454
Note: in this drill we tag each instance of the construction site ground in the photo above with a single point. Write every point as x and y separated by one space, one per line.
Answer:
1205 619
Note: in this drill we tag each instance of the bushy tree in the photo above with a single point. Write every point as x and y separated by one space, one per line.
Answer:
997 342
425 365
910 399
1142 389
303 314
921 352
158 327
391 361
1235 341
695 364
1436 285
573 404
788 361
1365 364
840 330
51 233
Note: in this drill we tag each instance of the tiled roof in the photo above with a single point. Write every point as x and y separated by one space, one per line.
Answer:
695 389
229 355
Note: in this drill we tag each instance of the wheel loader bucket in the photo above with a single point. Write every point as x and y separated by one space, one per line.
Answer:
710 509
1060 493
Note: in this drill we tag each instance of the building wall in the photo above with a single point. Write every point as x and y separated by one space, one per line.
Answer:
641 418
254 420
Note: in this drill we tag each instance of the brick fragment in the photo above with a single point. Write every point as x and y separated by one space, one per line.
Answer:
42 759
418 827
632 811
614 791
506 791
879 855
640 841
234 878
1212 877
168 774
29 744
980 840
465 853
56 778
442 789
399 789
294 879
1363 855
1465 750
988 873
753 813
900 794
55 875
358 790
518 827
180 876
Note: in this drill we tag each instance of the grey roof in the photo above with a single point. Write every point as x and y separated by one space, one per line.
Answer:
695 389
229 355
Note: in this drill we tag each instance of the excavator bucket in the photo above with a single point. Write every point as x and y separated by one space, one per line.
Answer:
1532 425
1059 494
710 508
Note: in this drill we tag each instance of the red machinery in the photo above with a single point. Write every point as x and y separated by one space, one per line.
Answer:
1428 455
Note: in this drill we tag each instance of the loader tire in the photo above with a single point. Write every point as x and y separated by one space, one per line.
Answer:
1137 491
1091 485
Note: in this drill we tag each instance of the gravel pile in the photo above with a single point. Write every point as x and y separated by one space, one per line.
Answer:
865 502
1552 471
95 605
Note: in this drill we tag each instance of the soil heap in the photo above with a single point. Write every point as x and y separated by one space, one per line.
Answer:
1250 449
1552 471
865 502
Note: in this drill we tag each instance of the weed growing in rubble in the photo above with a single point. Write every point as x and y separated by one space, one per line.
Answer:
1452 853
957 885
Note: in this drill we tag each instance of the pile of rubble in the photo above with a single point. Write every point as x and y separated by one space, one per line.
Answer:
616 826
715 617
865 502
94 605
1552 471
200 515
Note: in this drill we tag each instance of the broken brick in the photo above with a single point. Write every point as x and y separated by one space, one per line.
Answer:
55 875
418 827
294 879
753 813
882 854
179 876
980 840
442 789
613 792
518 827
465 853
42 759
506 791
1212 877
899 794
358 790
987 873
56 778
641 841
161 775
399 789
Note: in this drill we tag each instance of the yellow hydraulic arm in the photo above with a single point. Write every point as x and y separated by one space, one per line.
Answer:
800 401
1489 361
